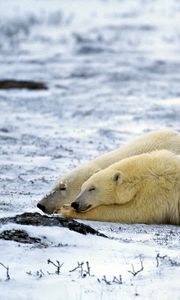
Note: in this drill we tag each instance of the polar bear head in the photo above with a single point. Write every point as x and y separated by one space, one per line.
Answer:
66 188
142 177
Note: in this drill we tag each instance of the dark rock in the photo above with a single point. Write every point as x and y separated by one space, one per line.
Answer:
22 84
20 236
37 219
4 130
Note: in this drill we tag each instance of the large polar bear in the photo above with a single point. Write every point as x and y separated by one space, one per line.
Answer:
140 189
68 186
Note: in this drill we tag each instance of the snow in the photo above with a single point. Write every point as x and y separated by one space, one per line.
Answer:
107 257
112 68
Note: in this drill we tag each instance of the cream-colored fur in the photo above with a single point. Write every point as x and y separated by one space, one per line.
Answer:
68 186
140 189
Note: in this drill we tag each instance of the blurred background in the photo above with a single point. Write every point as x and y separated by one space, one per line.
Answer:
112 71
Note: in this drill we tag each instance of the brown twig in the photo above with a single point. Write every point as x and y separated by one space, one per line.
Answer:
109 282
83 272
80 267
7 271
158 257
105 280
117 280
133 272
57 265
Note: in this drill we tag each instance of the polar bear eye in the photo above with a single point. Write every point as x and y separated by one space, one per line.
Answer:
62 187
92 188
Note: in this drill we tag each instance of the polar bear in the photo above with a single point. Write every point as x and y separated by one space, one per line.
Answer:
140 189
68 186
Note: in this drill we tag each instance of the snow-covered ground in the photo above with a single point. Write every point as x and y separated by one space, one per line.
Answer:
112 68
151 250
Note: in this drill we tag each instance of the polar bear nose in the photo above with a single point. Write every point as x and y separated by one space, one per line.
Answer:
75 205
40 206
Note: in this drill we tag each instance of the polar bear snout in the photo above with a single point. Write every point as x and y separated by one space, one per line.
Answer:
80 207
81 202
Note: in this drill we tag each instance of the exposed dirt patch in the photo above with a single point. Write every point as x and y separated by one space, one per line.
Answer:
37 219
22 84
20 236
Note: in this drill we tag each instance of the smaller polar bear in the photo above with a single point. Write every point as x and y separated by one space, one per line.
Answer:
140 189
69 186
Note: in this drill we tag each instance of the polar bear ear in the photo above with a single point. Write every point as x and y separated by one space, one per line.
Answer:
117 177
